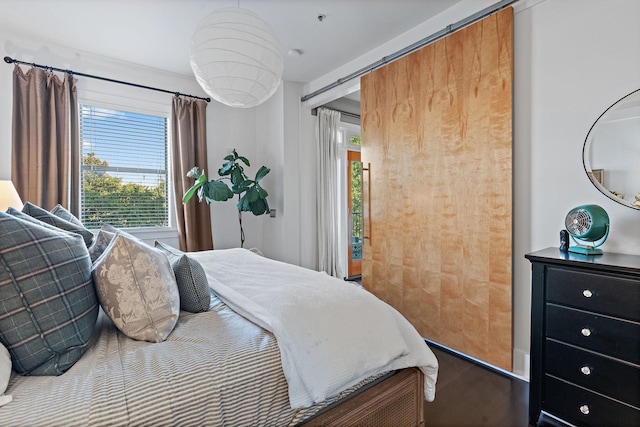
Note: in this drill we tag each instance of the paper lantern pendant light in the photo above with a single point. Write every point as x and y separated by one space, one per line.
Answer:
236 58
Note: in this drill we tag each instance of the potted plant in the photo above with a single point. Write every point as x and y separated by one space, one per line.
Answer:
251 196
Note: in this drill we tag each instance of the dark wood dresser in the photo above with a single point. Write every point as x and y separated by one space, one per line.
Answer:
585 338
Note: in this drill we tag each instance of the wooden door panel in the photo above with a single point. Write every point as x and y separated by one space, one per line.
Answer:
436 131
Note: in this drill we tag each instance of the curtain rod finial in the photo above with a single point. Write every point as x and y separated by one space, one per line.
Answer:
8 59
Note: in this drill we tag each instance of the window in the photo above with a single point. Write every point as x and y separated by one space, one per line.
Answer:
350 193
124 173
355 140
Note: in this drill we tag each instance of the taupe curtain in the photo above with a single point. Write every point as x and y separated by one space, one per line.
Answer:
189 149
40 163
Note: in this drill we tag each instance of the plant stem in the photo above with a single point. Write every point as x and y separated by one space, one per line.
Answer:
241 229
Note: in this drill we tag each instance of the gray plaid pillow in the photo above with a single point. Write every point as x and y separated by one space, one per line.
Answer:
29 218
195 294
46 216
48 303
63 213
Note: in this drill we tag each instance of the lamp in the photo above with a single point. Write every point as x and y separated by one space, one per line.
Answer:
9 196
236 58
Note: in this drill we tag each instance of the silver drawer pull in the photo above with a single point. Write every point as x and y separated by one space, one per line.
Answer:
587 293
586 332
585 370
584 409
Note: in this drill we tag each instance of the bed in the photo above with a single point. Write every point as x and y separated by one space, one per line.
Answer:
276 345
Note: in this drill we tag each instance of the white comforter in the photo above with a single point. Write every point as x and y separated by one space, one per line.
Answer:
331 333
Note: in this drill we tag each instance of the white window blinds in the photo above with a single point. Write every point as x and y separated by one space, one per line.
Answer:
124 168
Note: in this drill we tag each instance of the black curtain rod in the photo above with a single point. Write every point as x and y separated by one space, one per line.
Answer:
10 60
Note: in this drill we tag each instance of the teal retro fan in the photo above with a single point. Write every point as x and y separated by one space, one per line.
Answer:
588 223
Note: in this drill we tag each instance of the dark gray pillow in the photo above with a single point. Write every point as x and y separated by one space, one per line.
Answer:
193 286
48 302
100 243
46 216
103 238
29 218
63 213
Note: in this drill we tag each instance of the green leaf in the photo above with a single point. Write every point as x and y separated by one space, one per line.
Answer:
226 169
229 158
261 192
242 187
252 194
258 207
237 177
195 173
243 204
244 160
199 182
217 191
262 172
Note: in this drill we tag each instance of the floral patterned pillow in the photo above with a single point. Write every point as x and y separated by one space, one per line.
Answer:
137 289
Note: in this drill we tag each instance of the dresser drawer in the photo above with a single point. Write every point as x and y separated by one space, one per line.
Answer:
601 293
582 407
603 334
608 376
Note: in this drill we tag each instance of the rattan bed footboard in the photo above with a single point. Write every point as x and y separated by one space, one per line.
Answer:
397 401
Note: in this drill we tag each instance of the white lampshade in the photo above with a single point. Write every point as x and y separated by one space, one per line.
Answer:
236 58
9 196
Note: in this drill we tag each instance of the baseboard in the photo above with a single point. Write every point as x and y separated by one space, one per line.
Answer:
521 363
475 361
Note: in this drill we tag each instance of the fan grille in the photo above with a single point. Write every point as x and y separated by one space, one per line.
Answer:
578 222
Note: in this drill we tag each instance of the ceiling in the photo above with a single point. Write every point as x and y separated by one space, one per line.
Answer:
157 33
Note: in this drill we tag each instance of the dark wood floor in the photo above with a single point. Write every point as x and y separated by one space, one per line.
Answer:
469 395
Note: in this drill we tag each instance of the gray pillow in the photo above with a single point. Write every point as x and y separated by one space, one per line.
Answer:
195 294
111 229
137 289
59 211
100 243
48 303
46 216
29 218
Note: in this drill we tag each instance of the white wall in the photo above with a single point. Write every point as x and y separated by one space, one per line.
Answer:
573 59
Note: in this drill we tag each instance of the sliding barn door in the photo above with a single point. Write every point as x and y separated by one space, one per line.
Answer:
437 153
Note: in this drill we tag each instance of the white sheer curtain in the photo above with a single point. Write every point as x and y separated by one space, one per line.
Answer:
327 186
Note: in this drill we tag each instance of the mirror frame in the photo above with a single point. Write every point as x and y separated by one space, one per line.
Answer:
587 163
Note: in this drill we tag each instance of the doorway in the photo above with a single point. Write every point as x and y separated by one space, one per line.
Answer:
354 213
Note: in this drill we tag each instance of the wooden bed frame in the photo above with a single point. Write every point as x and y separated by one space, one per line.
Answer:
397 401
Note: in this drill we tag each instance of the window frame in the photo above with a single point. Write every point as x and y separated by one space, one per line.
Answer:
345 131
141 106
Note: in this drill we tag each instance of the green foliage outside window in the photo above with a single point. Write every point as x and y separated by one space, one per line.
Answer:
106 198
356 199
355 140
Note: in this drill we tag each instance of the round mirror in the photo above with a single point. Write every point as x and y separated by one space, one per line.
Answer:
611 153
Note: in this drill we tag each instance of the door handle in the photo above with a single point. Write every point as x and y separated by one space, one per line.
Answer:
368 171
